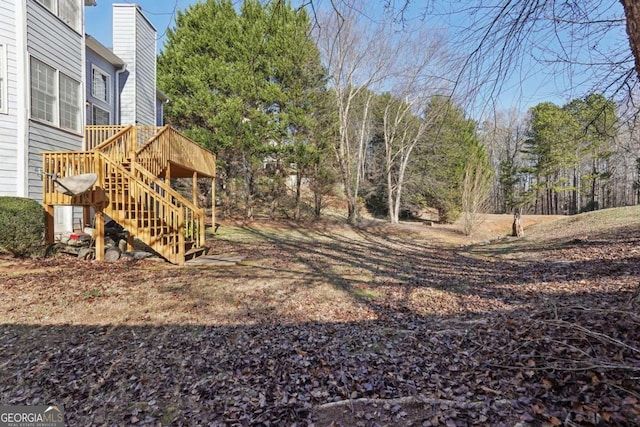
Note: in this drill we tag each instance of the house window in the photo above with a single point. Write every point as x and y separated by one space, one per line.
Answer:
69 13
100 84
55 97
43 92
100 116
3 78
49 4
67 10
69 103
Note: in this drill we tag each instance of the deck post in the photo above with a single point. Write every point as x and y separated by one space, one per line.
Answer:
98 235
86 217
49 227
133 144
203 236
194 189
181 242
213 203
130 246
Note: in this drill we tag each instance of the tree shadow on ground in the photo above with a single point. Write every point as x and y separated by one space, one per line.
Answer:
527 342
559 362
407 269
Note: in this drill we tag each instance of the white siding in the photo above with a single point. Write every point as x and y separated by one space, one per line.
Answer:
134 40
8 121
146 72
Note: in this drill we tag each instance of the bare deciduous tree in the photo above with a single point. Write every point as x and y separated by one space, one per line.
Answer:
503 136
475 187
359 59
404 121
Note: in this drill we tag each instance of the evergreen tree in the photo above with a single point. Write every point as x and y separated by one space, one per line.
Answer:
438 172
552 153
596 119
569 146
238 82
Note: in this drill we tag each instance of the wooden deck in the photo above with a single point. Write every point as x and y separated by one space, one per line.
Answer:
134 165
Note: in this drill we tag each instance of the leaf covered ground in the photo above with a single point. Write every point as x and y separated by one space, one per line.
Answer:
331 325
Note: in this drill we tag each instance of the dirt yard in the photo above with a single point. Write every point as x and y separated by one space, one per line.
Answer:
331 325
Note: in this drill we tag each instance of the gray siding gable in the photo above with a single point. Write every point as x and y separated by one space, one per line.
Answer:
42 138
53 42
56 44
95 60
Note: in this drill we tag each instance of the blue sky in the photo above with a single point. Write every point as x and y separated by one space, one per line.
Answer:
160 12
529 85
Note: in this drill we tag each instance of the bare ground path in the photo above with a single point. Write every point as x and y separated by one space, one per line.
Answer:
327 323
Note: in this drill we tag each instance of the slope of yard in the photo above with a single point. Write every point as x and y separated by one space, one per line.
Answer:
327 324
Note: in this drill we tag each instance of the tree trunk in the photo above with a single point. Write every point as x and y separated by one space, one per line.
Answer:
632 15
296 212
393 218
352 211
575 203
317 204
593 186
517 227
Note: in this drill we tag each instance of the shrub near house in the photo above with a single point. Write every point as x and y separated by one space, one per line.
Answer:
21 226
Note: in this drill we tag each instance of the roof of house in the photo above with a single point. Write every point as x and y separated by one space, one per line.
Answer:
104 51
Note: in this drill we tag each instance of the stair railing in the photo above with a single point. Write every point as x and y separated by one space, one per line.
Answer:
156 219
119 146
192 215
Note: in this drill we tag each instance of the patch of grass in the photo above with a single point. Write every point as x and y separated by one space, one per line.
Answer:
289 273
585 224
366 293
169 415
93 293
560 233
234 233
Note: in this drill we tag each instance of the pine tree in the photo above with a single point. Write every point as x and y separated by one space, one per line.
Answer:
238 81
439 169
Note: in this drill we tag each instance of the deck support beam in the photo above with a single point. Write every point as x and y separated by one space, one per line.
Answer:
213 204
98 235
86 217
194 189
49 226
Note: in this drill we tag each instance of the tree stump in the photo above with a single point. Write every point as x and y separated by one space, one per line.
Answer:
112 254
517 228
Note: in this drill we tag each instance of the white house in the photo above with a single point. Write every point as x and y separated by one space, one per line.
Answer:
54 80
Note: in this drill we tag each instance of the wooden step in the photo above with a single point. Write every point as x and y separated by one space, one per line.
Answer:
139 216
195 252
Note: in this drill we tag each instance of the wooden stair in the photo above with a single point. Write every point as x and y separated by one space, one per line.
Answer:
131 192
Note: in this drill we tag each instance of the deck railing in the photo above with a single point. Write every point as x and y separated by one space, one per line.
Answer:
97 134
146 211
151 146
169 145
67 163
